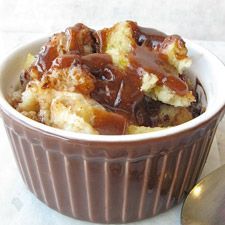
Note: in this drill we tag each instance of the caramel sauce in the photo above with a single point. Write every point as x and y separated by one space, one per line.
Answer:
116 89
79 39
46 57
42 64
142 56
148 36
97 61
146 56
119 90
177 85
156 63
109 123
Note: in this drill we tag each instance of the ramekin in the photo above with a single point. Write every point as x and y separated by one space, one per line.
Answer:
112 179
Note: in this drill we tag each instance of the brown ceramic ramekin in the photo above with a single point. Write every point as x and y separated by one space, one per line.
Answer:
113 179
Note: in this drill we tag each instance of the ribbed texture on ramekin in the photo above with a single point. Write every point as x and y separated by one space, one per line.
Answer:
110 182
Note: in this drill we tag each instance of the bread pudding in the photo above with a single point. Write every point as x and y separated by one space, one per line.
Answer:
120 80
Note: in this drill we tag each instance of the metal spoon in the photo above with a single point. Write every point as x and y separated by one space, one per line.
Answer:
205 204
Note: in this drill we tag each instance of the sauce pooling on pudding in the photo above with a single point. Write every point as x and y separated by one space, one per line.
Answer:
156 63
132 71
75 40
148 36
117 90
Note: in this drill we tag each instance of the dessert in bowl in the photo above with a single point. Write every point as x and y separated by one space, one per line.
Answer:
120 80
123 174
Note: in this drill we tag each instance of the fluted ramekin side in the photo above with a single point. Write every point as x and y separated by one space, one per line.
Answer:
110 182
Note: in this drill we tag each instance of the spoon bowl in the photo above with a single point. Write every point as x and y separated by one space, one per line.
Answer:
205 204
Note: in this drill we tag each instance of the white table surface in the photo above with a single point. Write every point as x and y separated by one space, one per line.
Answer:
19 207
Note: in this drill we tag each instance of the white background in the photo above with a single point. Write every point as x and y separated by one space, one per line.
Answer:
24 20
193 19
